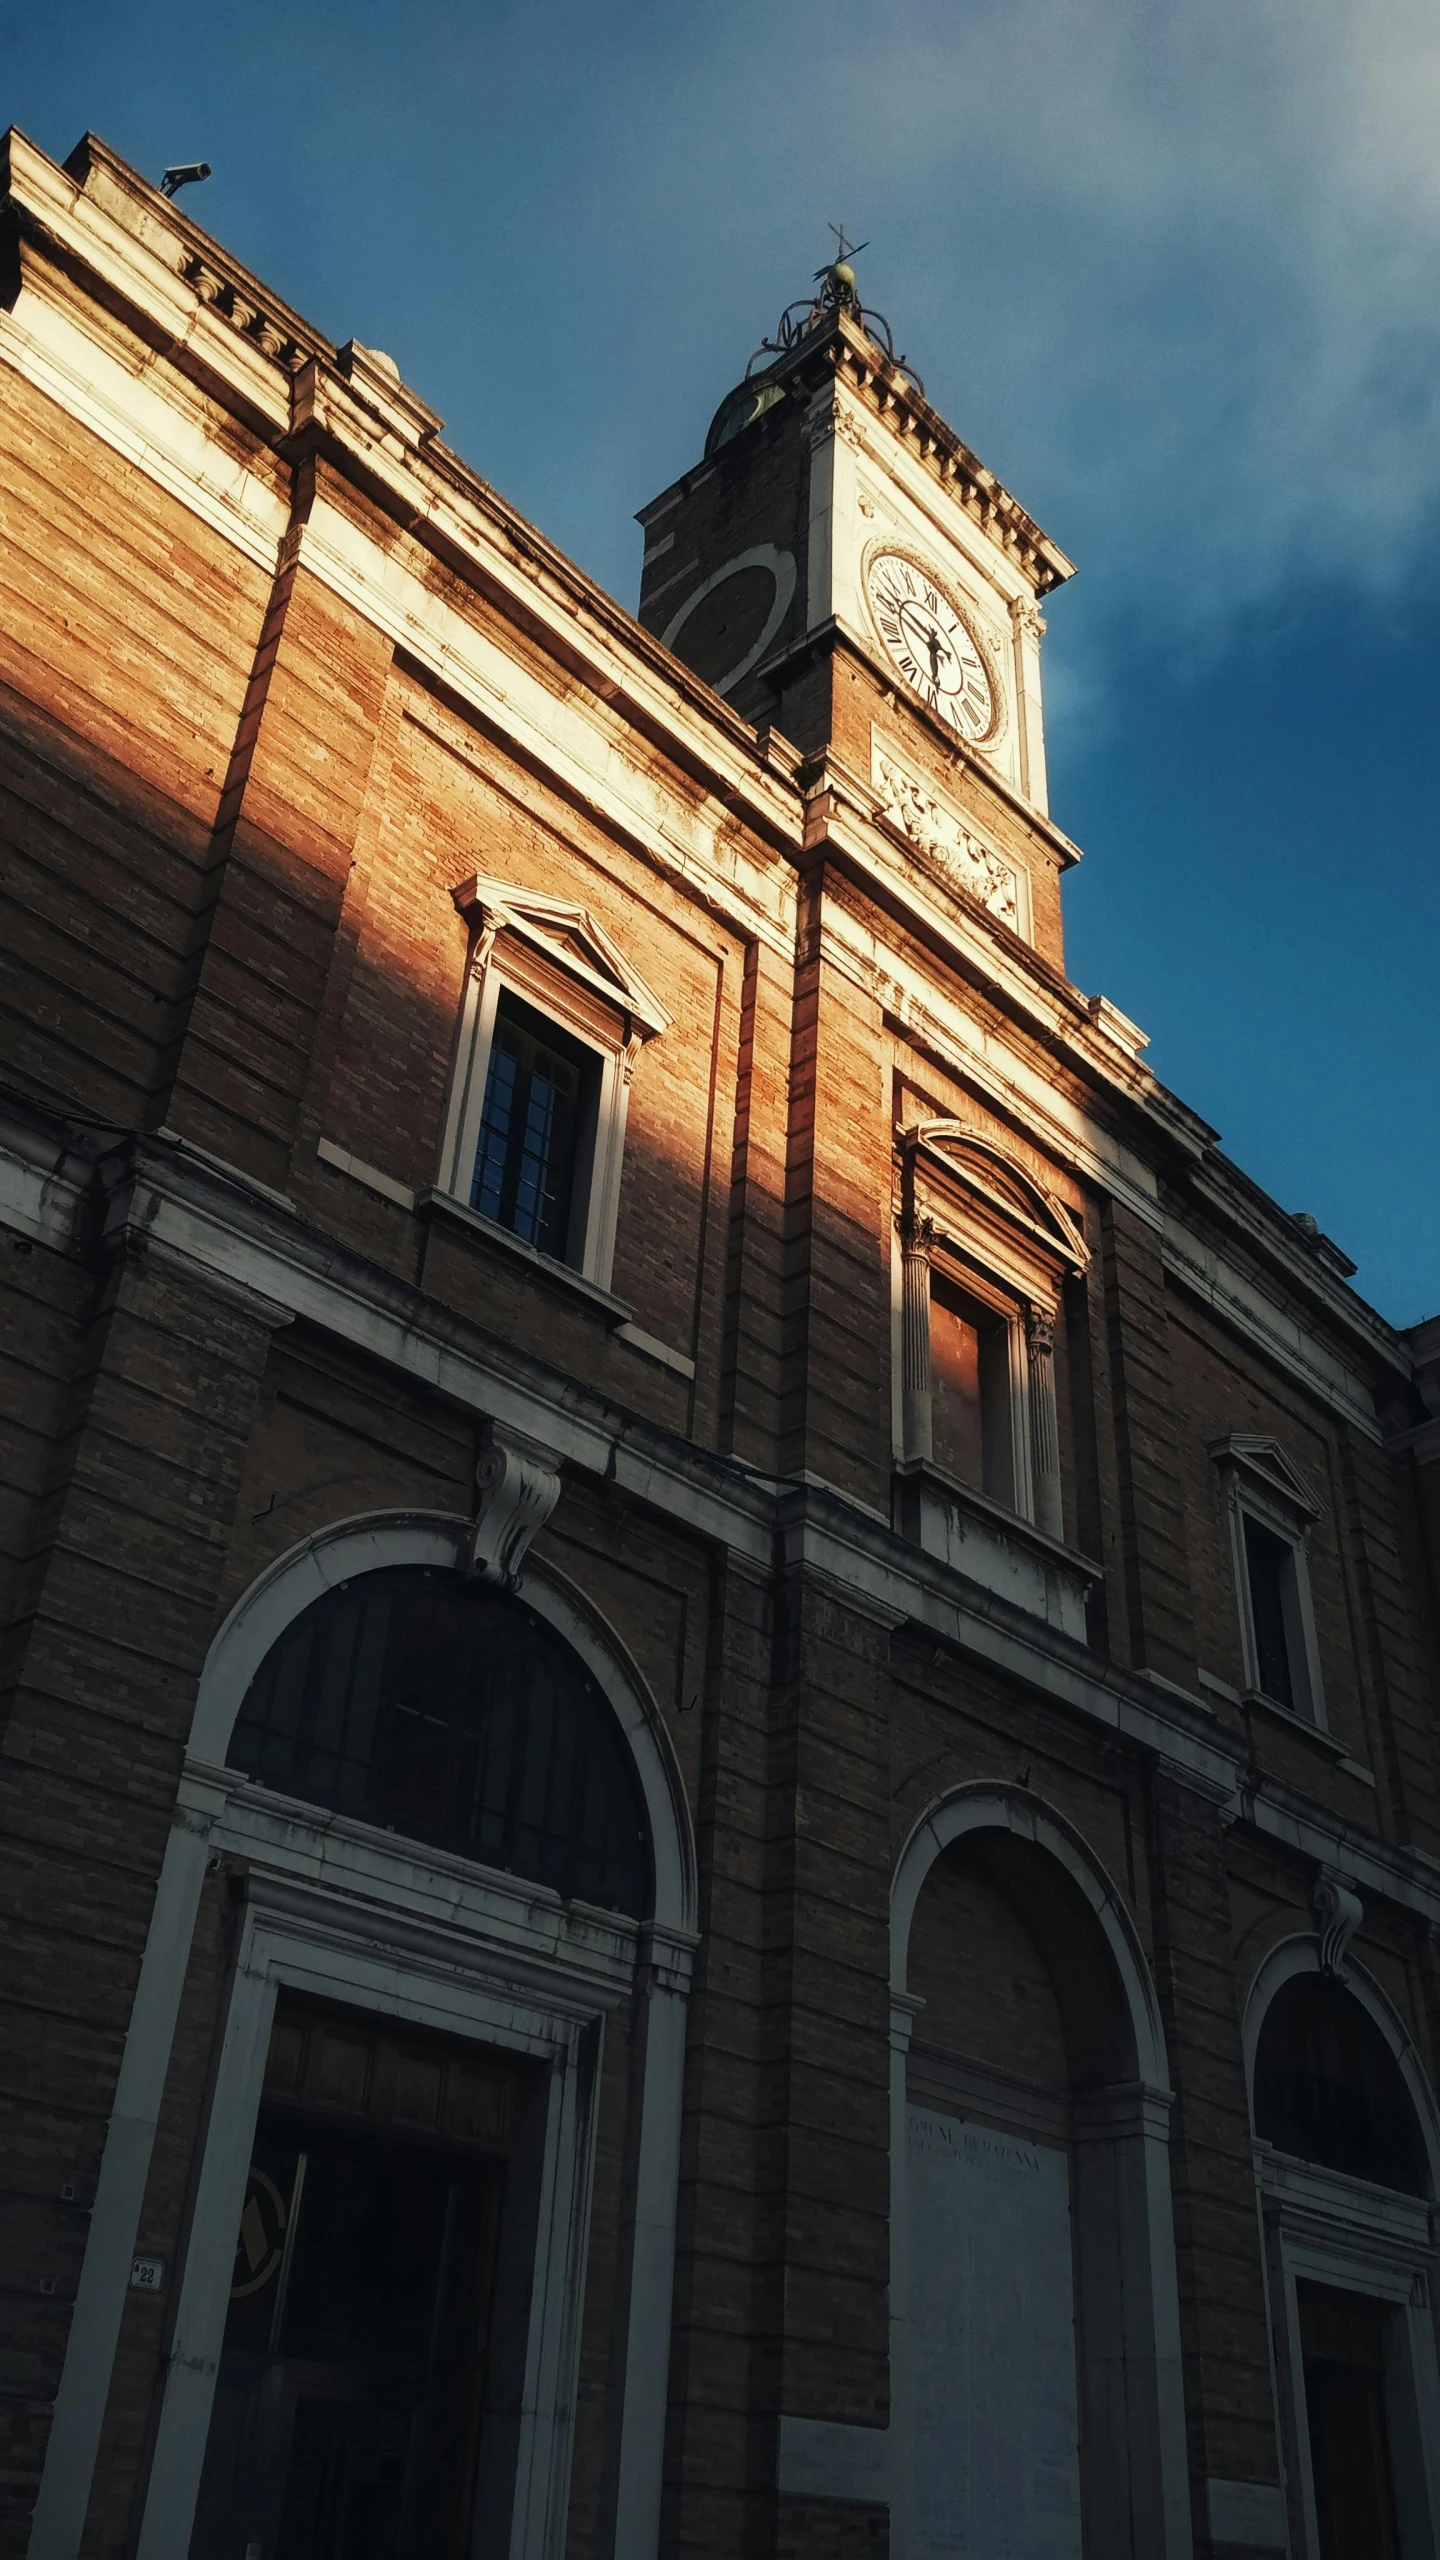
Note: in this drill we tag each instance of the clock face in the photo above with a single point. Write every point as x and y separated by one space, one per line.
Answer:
930 645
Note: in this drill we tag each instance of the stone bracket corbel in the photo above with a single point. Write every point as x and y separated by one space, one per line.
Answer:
1338 1914
519 1486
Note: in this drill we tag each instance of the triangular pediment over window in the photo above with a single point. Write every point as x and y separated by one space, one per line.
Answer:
567 935
986 1171
1267 1464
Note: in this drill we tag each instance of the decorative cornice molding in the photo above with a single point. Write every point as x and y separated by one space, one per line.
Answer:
1117 1026
1263 1464
998 1179
569 937
250 316
900 407
220 1222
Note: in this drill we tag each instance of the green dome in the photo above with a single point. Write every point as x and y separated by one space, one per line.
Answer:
739 409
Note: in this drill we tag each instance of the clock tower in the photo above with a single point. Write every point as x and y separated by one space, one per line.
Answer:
843 569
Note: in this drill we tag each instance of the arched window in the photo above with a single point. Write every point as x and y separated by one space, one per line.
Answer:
429 1706
1328 2089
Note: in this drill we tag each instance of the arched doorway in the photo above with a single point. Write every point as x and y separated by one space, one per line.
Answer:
1347 2151
366 2359
1036 2352
459 1850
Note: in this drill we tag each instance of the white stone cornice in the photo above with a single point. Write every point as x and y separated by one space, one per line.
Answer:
911 442
578 746
42 341
152 414
820 1530
1382 1870
43 1185
1278 1330
136 266
1021 1083
1234 1201
1040 1000
225 1230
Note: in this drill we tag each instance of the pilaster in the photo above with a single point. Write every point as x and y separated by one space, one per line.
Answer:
1044 1424
1229 2398
836 1411
1027 628
116 1611
752 1353
1153 1541
718 2503
253 996
917 1423
824 2274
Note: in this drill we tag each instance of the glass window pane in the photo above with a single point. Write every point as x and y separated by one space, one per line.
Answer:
1269 1564
957 1429
970 1391
1328 2088
428 1706
531 1124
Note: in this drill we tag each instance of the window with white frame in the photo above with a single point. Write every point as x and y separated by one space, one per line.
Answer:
1270 1512
983 1251
553 1019
1345 2166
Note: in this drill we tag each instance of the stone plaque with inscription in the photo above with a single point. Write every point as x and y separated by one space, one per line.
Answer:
996 2461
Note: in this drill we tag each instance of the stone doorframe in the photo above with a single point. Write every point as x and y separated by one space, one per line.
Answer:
1322 2227
1140 2502
342 1911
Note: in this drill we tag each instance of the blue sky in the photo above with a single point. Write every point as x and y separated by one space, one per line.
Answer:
1173 270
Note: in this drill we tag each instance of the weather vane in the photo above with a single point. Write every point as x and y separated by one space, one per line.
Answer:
836 293
845 249
836 278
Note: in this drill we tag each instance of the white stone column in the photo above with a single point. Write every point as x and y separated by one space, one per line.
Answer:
916 1237
1044 1423
1027 629
666 1956
100 2298
905 2008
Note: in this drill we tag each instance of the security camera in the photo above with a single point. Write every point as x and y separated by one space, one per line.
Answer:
188 174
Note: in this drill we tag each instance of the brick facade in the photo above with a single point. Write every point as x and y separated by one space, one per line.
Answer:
277 675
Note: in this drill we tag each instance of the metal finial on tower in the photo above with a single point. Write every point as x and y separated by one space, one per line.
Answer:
836 292
837 280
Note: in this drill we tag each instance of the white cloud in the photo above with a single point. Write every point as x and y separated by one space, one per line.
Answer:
1172 266
1175 270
